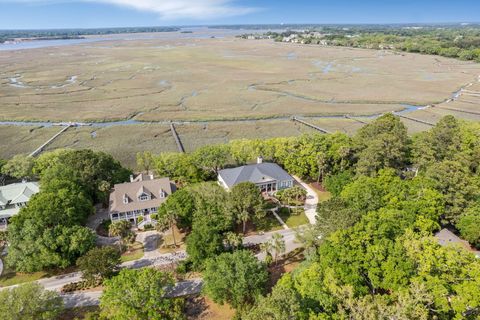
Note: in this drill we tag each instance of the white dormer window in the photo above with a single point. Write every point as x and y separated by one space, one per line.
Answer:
143 197
163 194
125 199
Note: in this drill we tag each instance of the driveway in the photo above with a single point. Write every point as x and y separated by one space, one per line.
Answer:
311 202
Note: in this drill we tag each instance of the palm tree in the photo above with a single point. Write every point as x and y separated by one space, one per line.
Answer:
322 165
120 229
234 240
168 221
244 217
266 247
278 244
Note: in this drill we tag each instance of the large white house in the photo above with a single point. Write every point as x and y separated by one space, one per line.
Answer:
269 177
140 197
13 197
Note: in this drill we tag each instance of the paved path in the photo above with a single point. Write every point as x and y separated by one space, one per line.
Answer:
275 214
311 202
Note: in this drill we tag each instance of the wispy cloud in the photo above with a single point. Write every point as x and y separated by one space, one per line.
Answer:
171 9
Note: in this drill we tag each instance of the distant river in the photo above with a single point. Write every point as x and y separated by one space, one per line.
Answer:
196 33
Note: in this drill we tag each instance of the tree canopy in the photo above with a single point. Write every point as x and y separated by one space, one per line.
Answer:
29 302
140 295
236 278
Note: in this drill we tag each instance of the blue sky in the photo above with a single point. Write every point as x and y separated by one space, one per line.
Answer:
35 14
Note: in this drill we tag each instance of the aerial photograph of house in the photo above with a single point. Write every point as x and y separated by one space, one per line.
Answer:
140 197
269 177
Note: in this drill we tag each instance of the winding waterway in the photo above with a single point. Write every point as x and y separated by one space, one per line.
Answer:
406 110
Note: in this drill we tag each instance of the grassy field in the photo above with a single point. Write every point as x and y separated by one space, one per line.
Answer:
191 80
223 78
23 139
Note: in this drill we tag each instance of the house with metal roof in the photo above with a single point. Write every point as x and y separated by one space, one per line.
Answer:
269 177
141 197
13 197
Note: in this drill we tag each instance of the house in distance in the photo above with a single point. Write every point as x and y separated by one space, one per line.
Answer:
140 197
269 177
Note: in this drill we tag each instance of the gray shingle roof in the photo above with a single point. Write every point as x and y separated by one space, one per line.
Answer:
133 189
256 173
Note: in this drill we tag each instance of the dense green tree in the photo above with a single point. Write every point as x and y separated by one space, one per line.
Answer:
236 278
382 144
442 142
211 201
469 224
246 202
283 303
29 302
182 203
145 161
177 166
336 182
205 241
333 215
20 166
458 186
211 158
99 263
87 168
140 295
47 233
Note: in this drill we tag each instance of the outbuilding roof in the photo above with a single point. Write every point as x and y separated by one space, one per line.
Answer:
256 173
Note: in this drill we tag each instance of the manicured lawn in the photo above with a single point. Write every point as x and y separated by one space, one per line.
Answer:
268 223
293 220
322 195
134 252
10 277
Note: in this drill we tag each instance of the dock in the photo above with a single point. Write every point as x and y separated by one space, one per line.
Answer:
177 138
355 119
416 120
310 125
40 149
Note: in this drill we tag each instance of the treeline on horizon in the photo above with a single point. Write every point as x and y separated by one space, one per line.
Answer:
452 41
9 35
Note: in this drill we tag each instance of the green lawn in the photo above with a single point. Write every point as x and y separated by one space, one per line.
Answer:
293 220
134 252
324 196
10 277
268 223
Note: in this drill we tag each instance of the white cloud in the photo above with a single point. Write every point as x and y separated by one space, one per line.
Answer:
171 9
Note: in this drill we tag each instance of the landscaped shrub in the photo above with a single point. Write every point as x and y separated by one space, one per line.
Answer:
139 220
148 227
154 216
